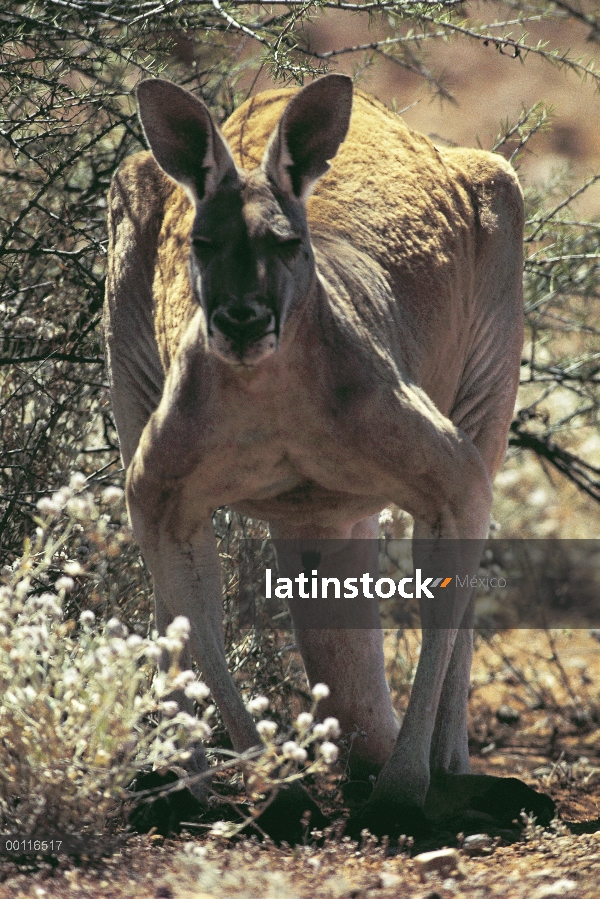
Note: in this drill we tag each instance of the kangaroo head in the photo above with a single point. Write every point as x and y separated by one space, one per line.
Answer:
251 261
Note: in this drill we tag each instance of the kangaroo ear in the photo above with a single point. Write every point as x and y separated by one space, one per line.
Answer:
183 137
310 131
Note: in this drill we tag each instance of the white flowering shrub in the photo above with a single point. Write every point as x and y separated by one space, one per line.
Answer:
82 707
285 758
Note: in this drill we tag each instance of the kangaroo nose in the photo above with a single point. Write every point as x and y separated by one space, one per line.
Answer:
242 323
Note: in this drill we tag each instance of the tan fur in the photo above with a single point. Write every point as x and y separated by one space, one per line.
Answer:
395 381
436 195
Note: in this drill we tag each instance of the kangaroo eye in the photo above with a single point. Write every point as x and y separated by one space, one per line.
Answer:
203 246
288 247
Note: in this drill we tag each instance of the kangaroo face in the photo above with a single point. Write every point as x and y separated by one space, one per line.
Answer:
251 264
251 260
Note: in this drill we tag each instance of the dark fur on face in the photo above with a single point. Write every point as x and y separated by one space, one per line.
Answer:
251 263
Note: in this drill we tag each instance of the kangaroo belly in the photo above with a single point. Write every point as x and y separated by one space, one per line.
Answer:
308 501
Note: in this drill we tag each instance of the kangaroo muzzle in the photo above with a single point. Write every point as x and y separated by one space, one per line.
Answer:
243 333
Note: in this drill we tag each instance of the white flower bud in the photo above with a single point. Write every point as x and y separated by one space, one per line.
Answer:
201 731
169 644
197 690
23 588
112 495
330 752
288 749
153 652
79 506
47 506
115 628
78 481
329 729
266 729
179 629
186 720
332 727
258 705
71 677
118 646
292 751
61 497
320 691
65 583
183 679
87 618
160 683
304 721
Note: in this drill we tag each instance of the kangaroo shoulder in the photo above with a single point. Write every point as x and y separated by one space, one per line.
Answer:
148 213
149 221
493 186
139 190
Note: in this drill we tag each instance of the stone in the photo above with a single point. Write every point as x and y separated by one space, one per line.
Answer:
477 844
441 862
555 890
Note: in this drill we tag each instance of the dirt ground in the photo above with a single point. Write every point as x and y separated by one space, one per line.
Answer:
546 866
553 743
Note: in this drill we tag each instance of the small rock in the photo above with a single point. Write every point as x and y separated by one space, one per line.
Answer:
555 890
595 633
477 844
442 862
507 715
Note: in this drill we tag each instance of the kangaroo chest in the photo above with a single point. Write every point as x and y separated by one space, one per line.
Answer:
290 451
